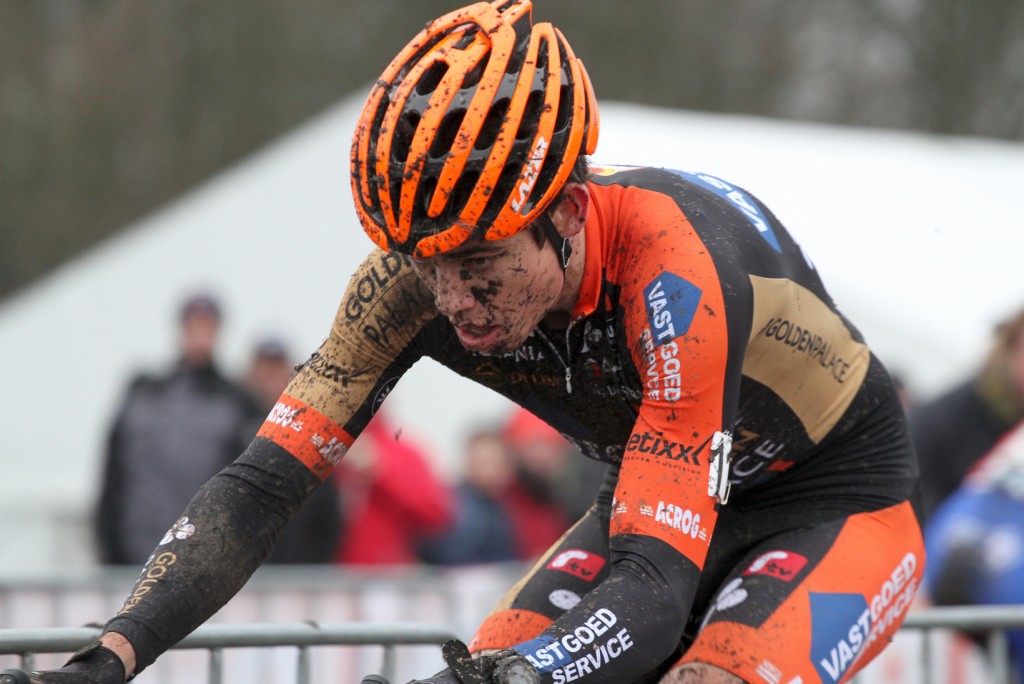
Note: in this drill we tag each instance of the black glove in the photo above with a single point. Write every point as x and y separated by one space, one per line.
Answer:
93 664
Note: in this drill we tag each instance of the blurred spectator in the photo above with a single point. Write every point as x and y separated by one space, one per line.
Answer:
554 484
172 433
391 496
975 539
311 536
481 529
954 430
270 369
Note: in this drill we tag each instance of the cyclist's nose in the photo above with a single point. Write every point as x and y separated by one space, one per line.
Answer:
453 293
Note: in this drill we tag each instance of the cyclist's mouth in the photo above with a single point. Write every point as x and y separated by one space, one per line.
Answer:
478 337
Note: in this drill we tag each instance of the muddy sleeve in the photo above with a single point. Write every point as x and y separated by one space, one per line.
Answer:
232 523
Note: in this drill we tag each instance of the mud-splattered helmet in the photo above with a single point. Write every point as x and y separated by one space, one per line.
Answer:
471 131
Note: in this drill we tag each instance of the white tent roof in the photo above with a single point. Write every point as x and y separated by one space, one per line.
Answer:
918 238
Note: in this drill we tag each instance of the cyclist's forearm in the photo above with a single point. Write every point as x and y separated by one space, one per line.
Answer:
625 627
224 534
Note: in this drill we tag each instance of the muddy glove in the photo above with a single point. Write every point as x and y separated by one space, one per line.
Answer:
462 668
503 667
509 667
93 664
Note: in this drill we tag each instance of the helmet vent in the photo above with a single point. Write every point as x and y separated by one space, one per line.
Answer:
499 195
425 192
534 103
461 192
468 35
564 118
474 76
431 78
531 116
446 132
546 175
492 125
405 129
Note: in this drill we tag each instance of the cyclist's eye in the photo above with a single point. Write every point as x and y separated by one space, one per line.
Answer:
477 262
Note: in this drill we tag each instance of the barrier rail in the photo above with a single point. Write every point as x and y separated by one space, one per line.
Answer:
989 621
302 608
215 638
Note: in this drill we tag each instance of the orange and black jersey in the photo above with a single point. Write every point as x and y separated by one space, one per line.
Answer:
699 322
698 314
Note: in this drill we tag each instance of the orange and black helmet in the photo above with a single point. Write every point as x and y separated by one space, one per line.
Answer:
471 131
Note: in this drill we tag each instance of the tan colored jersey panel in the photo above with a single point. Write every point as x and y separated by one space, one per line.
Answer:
802 350
384 307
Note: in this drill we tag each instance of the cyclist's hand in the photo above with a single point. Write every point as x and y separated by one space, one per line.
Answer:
503 667
94 664
445 676
508 667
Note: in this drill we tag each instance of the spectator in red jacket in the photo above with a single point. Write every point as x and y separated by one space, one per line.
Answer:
540 455
392 498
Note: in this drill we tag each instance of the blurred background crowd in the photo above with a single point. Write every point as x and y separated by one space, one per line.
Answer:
519 483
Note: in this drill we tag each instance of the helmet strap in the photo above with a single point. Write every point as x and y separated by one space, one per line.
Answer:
561 244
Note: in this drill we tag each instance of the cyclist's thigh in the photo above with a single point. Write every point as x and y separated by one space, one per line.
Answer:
571 568
814 604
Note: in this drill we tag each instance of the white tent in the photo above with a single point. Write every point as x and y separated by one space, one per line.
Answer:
917 237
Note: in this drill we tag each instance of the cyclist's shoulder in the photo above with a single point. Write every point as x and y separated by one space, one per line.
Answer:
659 178
385 305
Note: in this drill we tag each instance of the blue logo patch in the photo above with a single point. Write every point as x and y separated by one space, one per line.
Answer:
544 653
671 305
840 626
739 199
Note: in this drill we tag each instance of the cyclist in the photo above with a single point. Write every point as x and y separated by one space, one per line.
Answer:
756 523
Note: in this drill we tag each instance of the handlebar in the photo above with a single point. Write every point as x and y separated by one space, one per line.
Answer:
15 676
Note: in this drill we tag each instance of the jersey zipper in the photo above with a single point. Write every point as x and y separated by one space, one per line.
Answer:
568 354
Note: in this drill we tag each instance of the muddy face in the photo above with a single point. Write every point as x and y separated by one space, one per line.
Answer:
494 292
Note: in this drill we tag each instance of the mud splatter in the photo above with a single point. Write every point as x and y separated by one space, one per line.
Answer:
484 294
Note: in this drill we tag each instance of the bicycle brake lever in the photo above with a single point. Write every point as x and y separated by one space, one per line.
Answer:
456 656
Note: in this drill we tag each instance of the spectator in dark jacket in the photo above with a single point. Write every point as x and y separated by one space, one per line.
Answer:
172 433
955 429
481 528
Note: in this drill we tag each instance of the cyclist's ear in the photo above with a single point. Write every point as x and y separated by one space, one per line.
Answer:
573 206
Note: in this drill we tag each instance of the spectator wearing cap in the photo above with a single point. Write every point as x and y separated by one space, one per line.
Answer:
173 431
311 536
269 371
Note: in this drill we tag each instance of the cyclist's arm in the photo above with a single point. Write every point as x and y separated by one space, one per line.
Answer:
231 524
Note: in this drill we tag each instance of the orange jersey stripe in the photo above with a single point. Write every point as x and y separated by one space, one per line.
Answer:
306 434
506 628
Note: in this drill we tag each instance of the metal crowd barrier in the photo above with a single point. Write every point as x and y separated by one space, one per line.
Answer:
215 638
990 621
303 608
